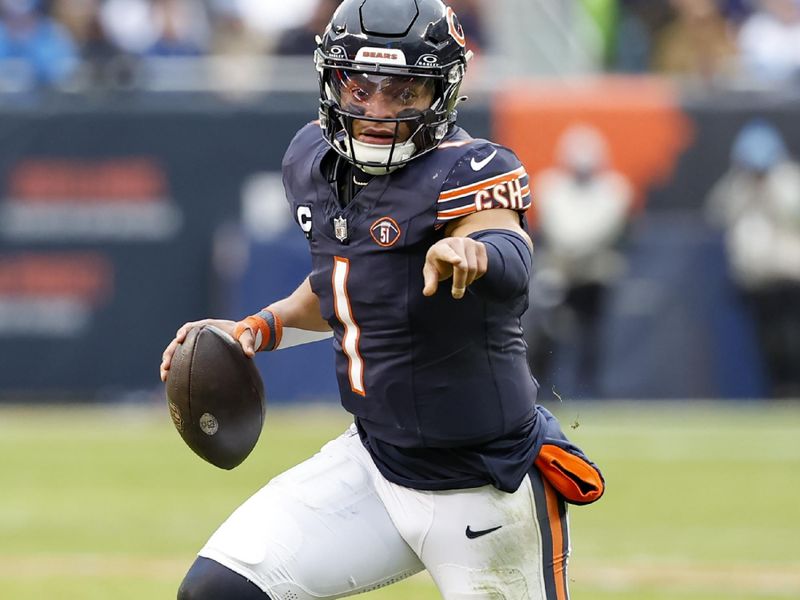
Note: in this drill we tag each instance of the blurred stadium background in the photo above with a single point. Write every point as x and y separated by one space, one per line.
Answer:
140 149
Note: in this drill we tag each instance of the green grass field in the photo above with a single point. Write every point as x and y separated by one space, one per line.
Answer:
703 501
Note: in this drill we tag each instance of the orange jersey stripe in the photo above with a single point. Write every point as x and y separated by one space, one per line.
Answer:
476 187
559 561
456 212
453 213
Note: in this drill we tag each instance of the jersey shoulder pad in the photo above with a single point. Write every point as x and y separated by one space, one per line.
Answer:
305 141
486 176
299 158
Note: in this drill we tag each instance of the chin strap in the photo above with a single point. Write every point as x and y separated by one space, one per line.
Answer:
379 153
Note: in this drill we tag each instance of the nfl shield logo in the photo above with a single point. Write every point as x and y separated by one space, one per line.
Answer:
340 228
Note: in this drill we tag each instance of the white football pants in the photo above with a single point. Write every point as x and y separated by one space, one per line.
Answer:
333 526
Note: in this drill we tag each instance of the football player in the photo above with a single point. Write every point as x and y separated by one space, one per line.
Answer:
450 465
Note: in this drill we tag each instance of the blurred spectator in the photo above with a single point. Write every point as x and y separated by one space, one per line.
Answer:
736 11
81 18
757 203
238 49
157 27
698 42
270 17
28 35
129 25
583 210
232 34
302 40
769 42
102 63
184 28
639 21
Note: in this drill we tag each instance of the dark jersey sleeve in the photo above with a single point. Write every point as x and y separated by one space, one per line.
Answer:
292 164
486 176
297 165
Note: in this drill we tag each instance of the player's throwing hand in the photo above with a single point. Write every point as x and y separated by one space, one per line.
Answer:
461 258
245 340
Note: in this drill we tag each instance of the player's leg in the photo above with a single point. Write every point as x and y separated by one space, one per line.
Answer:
207 579
484 544
317 531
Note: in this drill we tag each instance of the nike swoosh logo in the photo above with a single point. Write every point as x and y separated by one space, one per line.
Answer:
478 165
476 534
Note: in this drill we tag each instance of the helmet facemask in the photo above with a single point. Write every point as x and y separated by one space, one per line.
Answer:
417 127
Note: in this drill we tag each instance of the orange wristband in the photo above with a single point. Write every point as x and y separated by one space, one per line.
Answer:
266 328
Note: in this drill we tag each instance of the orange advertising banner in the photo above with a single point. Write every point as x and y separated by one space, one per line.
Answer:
640 118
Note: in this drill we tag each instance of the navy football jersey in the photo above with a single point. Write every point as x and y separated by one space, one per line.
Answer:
416 372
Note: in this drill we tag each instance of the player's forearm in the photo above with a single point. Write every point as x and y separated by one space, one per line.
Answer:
301 309
508 270
292 321
507 249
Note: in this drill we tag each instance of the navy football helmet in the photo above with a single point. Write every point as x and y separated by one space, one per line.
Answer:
407 52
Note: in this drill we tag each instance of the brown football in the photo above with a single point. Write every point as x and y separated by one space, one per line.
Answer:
215 397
